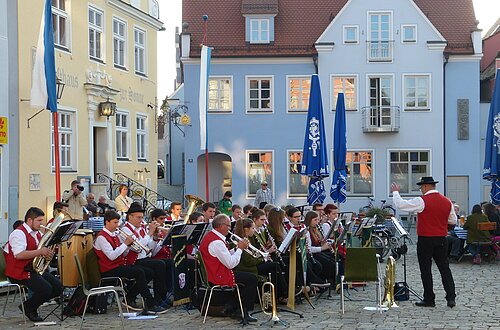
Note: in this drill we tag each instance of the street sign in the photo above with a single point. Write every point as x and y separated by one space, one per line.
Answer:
3 130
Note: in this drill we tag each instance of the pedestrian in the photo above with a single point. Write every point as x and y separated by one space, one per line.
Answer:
435 212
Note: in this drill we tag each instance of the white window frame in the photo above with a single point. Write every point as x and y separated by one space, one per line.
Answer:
259 22
122 130
121 39
231 104
288 163
73 132
344 34
350 193
141 132
390 39
247 169
289 94
403 39
429 93
408 150
96 29
269 110
56 11
333 100
139 47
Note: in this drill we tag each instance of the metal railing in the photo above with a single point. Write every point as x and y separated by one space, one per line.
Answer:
149 198
380 50
380 119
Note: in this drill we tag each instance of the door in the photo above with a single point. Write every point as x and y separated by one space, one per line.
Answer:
101 154
380 101
457 189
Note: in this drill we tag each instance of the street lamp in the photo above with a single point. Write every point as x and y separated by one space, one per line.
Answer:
107 108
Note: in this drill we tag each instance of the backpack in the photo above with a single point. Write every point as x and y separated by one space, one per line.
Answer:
76 303
98 304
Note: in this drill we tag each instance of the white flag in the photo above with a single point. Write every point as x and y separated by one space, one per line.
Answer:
203 101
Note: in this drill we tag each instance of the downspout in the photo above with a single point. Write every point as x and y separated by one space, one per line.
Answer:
315 62
446 57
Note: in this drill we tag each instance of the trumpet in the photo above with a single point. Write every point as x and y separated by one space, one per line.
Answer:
252 250
136 246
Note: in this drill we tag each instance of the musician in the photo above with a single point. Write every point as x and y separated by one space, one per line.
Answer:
112 262
268 208
246 228
219 262
208 210
319 247
175 212
75 200
134 227
162 251
236 212
122 201
19 253
318 208
196 217
275 225
293 217
331 215
435 212
57 208
248 210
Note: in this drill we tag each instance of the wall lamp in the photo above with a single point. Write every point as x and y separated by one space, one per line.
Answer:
107 108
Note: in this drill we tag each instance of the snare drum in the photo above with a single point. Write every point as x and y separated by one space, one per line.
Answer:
81 242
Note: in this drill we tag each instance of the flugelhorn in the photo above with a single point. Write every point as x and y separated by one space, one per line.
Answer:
136 246
269 306
251 250
389 282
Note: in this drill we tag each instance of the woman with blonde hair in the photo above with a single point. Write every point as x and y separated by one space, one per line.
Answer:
122 201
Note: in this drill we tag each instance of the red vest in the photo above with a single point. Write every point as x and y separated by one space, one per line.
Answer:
106 264
16 268
132 255
433 220
164 252
217 273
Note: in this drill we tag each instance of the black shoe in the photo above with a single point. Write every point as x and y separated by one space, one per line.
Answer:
423 303
451 303
154 310
250 318
32 316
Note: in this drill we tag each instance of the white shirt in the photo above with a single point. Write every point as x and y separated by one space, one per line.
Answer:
417 204
312 249
102 244
326 227
219 250
17 240
145 241
122 203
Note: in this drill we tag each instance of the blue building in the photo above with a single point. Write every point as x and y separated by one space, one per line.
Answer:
409 71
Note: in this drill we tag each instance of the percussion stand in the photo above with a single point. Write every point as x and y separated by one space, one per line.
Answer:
405 283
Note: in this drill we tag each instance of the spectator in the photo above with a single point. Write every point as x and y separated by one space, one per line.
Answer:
225 204
75 200
263 196
475 235
492 214
91 205
122 201
103 206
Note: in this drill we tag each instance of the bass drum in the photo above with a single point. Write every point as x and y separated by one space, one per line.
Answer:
80 244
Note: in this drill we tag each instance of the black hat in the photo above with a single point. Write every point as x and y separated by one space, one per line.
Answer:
135 207
60 205
426 180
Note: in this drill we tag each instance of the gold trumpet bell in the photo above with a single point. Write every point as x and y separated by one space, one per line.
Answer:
193 202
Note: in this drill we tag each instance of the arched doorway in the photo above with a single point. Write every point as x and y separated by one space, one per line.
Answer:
220 174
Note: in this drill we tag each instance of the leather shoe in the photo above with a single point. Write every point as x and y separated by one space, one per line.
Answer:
249 318
423 303
32 316
451 303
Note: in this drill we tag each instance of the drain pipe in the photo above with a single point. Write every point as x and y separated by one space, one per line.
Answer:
446 58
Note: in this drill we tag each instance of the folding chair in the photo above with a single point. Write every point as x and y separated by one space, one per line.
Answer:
362 265
5 283
98 290
212 288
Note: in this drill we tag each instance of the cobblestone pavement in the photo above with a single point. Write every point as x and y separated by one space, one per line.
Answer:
477 308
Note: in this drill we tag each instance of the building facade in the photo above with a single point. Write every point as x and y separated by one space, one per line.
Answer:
410 84
105 51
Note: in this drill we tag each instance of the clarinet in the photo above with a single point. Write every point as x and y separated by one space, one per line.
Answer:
278 253
324 239
308 248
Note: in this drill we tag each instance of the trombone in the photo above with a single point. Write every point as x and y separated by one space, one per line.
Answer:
252 250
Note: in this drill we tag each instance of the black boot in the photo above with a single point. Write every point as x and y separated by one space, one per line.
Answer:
249 318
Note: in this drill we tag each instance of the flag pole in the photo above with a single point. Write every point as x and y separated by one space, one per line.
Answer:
207 191
57 163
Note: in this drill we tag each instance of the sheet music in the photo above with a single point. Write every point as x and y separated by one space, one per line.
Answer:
187 230
346 217
288 240
401 230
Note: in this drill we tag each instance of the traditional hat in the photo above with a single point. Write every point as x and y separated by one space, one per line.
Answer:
135 207
426 180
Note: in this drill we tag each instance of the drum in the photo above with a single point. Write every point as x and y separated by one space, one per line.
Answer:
81 242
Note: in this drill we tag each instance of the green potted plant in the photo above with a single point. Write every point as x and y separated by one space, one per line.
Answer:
378 213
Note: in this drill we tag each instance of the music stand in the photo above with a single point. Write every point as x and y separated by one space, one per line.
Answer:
62 233
362 224
175 230
404 234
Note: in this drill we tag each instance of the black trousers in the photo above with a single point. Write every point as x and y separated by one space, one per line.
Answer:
327 262
429 248
159 273
141 283
277 277
44 287
247 283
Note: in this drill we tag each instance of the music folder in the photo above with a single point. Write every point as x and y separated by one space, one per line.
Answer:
174 230
346 230
64 232
362 224
399 227
292 234
333 227
196 231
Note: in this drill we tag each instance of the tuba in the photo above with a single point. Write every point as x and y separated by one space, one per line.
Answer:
389 282
193 202
269 306
40 263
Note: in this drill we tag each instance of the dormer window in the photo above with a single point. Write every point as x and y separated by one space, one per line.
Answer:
259 31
